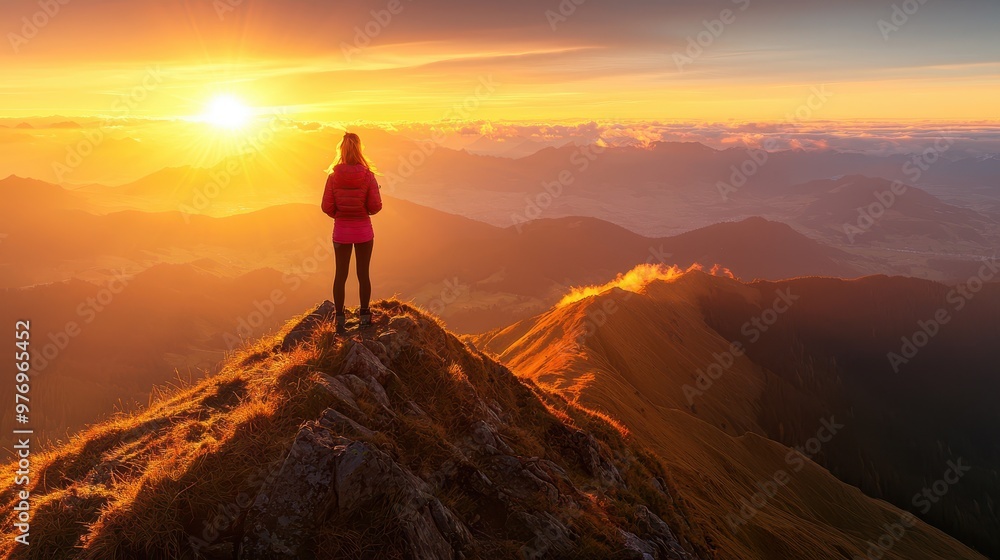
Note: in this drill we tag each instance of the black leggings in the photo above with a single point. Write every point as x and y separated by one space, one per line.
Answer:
343 257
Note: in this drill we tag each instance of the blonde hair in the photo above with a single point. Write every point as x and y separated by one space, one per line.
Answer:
349 152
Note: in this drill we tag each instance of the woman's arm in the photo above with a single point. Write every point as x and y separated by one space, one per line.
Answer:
329 202
374 202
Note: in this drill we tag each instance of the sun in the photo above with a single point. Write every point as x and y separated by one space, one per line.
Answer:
227 111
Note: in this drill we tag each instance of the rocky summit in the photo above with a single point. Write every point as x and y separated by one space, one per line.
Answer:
400 441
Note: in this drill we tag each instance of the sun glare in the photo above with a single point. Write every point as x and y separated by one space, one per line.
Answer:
227 111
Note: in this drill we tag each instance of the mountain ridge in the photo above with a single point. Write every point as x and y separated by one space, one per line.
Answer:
777 359
403 442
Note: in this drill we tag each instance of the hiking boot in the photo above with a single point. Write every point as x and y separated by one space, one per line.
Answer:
341 322
364 318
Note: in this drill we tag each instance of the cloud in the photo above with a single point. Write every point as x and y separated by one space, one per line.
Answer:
871 137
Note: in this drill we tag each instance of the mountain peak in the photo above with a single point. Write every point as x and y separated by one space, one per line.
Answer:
400 441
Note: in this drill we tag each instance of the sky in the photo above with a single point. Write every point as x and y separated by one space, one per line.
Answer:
547 60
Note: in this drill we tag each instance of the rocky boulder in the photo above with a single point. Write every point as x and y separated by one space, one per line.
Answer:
327 476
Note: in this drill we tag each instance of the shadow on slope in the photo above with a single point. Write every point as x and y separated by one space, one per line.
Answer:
638 356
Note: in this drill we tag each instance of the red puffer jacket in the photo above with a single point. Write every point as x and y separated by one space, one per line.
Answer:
351 197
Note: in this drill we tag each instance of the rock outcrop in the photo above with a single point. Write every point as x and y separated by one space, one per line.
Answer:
327 476
336 470
400 441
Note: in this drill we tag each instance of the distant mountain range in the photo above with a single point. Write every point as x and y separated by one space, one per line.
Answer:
418 247
475 275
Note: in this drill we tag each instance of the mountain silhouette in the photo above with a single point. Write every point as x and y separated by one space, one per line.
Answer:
881 210
777 359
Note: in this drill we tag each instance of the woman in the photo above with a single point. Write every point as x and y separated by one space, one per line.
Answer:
351 197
